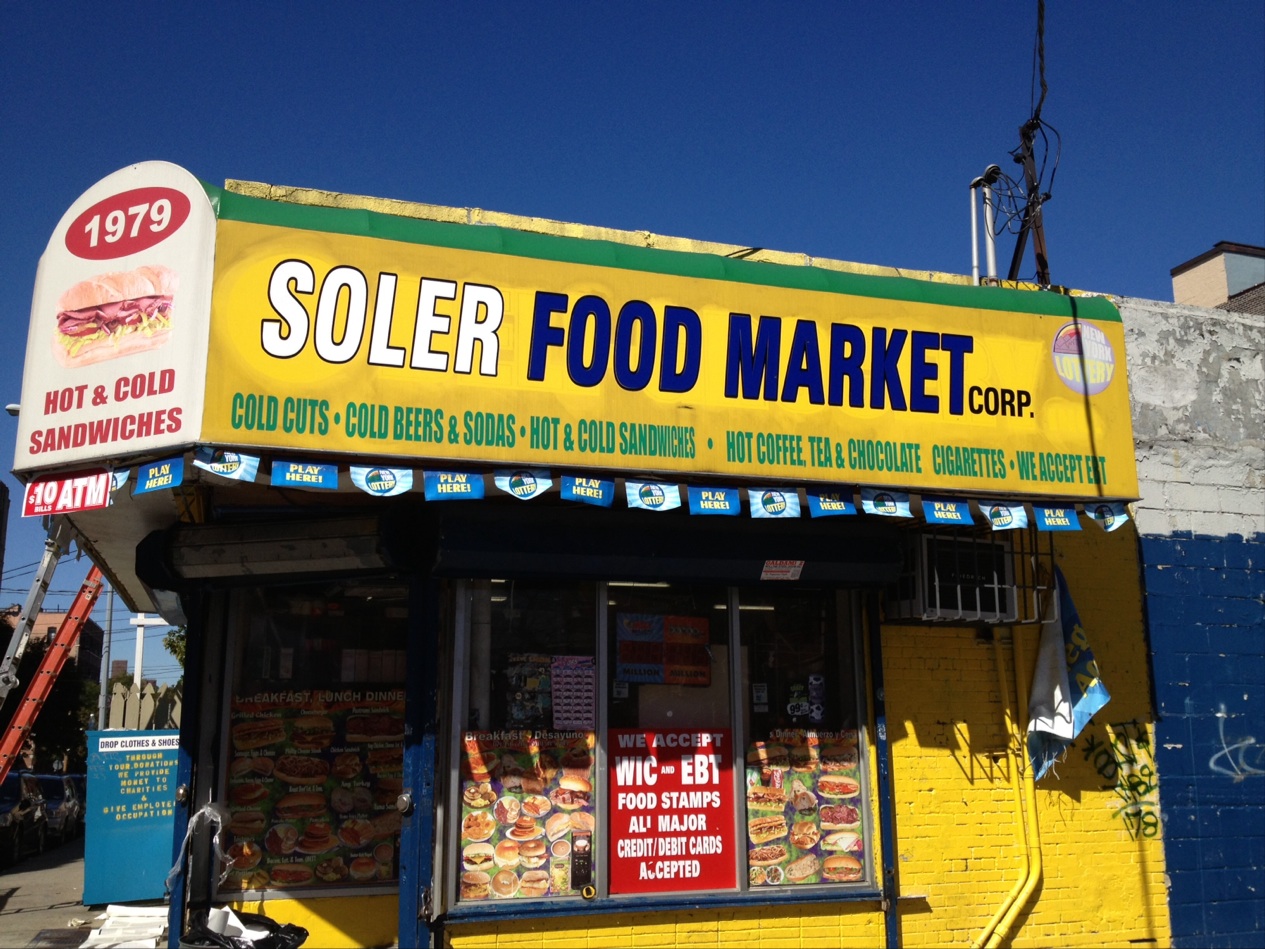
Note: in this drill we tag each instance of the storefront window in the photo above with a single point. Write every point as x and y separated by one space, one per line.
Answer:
803 762
727 720
670 744
316 734
527 757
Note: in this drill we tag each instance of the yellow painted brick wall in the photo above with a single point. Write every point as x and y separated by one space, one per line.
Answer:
844 925
1103 880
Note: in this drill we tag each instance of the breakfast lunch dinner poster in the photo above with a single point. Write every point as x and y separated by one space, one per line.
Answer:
313 779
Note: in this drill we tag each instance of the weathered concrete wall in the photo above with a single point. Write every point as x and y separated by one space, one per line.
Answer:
1197 378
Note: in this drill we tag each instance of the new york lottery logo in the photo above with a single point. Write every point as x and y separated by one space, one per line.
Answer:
1104 513
522 484
651 495
380 481
227 463
885 504
773 502
1000 516
1083 358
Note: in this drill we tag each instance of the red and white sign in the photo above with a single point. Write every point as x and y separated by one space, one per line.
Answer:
79 491
116 351
672 811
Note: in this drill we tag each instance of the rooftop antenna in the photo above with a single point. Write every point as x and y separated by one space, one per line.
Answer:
1032 221
1019 203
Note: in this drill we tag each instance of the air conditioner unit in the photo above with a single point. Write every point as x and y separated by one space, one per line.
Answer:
957 578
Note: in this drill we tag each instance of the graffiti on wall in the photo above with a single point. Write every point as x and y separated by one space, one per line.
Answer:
1239 759
1126 763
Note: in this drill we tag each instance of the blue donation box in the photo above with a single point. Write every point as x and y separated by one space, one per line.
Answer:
131 815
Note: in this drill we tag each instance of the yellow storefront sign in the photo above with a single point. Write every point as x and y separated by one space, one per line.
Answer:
367 335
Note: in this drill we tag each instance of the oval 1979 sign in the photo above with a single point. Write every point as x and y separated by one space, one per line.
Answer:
127 223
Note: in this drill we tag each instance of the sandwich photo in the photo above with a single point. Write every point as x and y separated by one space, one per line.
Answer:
840 817
362 728
763 798
801 869
837 786
841 840
298 804
767 855
290 874
114 314
761 830
572 792
534 883
258 733
301 769
248 794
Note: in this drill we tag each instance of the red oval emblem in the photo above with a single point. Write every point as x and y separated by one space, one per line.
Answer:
127 223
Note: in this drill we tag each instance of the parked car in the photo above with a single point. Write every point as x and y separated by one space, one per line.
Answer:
61 803
81 788
23 821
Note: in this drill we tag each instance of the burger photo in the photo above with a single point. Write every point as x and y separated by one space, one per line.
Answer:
317 838
802 759
842 867
312 732
477 856
534 883
804 835
838 758
346 765
258 733
114 314
364 868
475 885
773 757
572 792
504 883
532 854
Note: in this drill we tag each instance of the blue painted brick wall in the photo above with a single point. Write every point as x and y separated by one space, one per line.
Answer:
1206 621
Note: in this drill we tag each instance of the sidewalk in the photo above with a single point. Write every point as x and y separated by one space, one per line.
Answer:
40 899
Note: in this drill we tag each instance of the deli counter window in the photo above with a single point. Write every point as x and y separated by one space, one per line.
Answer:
655 739
315 736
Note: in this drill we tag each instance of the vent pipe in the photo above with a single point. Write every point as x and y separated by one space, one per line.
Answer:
985 184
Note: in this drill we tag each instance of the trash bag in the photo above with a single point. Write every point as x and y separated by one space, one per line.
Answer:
279 935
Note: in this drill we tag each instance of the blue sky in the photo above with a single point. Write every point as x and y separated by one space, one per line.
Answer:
841 130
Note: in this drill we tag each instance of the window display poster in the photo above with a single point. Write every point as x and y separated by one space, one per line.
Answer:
804 809
313 779
672 811
662 650
527 814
